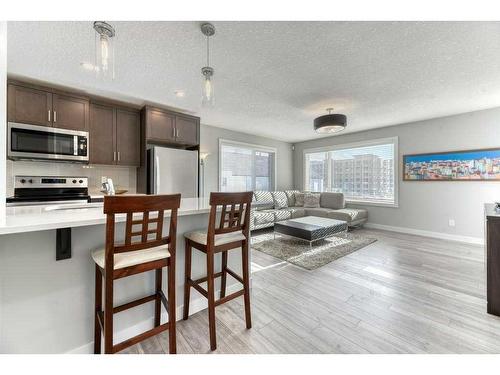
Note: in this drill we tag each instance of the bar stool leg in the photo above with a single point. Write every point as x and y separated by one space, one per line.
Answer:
211 299
172 341
246 283
158 279
187 275
98 308
108 314
224 275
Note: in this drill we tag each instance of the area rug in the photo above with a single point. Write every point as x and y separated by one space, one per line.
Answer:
299 252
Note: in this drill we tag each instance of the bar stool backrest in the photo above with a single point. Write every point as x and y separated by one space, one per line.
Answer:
141 211
234 214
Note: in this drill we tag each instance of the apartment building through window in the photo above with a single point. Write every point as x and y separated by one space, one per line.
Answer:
364 172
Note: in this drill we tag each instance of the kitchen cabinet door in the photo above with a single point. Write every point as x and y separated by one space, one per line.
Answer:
70 112
160 125
29 106
128 139
102 134
187 130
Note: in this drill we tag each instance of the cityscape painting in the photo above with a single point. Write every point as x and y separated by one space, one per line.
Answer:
470 165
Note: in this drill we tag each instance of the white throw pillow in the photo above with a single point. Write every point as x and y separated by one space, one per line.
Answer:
311 200
299 199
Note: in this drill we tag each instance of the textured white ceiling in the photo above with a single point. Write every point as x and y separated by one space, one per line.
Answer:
273 78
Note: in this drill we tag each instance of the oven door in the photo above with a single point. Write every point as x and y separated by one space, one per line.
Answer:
40 142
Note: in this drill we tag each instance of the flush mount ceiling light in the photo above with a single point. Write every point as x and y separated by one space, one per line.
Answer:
207 71
330 123
104 50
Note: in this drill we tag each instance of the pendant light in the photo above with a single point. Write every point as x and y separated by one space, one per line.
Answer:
104 50
330 123
208 98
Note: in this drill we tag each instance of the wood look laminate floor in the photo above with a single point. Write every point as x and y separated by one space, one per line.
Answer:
401 294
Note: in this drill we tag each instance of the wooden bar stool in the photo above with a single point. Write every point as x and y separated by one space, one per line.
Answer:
143 250
232 232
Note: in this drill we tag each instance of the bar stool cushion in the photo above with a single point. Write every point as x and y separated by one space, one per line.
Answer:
200 236
132 258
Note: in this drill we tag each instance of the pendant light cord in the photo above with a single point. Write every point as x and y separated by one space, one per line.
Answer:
208 50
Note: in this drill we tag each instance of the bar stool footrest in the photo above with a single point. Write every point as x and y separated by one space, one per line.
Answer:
235 275
142 336
230 297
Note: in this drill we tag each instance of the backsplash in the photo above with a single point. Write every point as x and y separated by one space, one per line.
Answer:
123 177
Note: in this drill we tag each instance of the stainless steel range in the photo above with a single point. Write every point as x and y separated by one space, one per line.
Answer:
35 190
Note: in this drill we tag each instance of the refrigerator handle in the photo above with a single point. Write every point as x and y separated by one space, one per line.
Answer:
157 175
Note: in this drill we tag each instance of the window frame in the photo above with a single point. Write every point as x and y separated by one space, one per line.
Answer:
367 143
254 148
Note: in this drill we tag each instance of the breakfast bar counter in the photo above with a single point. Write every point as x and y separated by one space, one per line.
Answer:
46 305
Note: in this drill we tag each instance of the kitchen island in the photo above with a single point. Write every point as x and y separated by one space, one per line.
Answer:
46 306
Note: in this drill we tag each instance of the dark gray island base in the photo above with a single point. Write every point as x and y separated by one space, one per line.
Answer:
492 259
310 228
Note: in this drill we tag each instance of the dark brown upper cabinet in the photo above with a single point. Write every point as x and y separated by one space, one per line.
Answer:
114 135
160 125
128 141
70 112
102 134
187 130
163 126
30 106
38 106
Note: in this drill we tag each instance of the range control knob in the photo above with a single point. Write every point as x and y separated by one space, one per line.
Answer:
74 181
22 180
81 181
30 181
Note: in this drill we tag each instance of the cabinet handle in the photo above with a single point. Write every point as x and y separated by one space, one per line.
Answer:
48 115
55 116
177 132
173 132
118 155
114 155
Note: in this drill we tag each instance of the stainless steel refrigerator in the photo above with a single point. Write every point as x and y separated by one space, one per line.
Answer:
172 171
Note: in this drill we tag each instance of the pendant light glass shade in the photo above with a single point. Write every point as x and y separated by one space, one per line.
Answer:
104 50
208 94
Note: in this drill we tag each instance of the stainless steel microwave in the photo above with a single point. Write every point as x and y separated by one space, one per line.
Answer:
41 142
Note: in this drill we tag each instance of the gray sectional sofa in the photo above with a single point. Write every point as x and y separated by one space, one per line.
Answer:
283 205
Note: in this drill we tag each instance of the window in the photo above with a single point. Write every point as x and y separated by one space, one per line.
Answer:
245 167
365 172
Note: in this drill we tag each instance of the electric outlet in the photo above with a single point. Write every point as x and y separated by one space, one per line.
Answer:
104 179
451 222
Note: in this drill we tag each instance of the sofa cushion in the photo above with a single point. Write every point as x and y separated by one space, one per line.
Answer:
319 211
299 199
332 200
311 200
297 212
290 195
279 199
349 214
283 214
265 200
263 217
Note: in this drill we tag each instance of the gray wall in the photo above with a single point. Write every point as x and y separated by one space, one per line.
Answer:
210 136
429 205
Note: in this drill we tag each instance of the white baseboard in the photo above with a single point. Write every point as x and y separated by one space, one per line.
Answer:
195 306
426 233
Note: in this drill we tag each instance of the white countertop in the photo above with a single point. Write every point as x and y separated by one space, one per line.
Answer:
36 218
